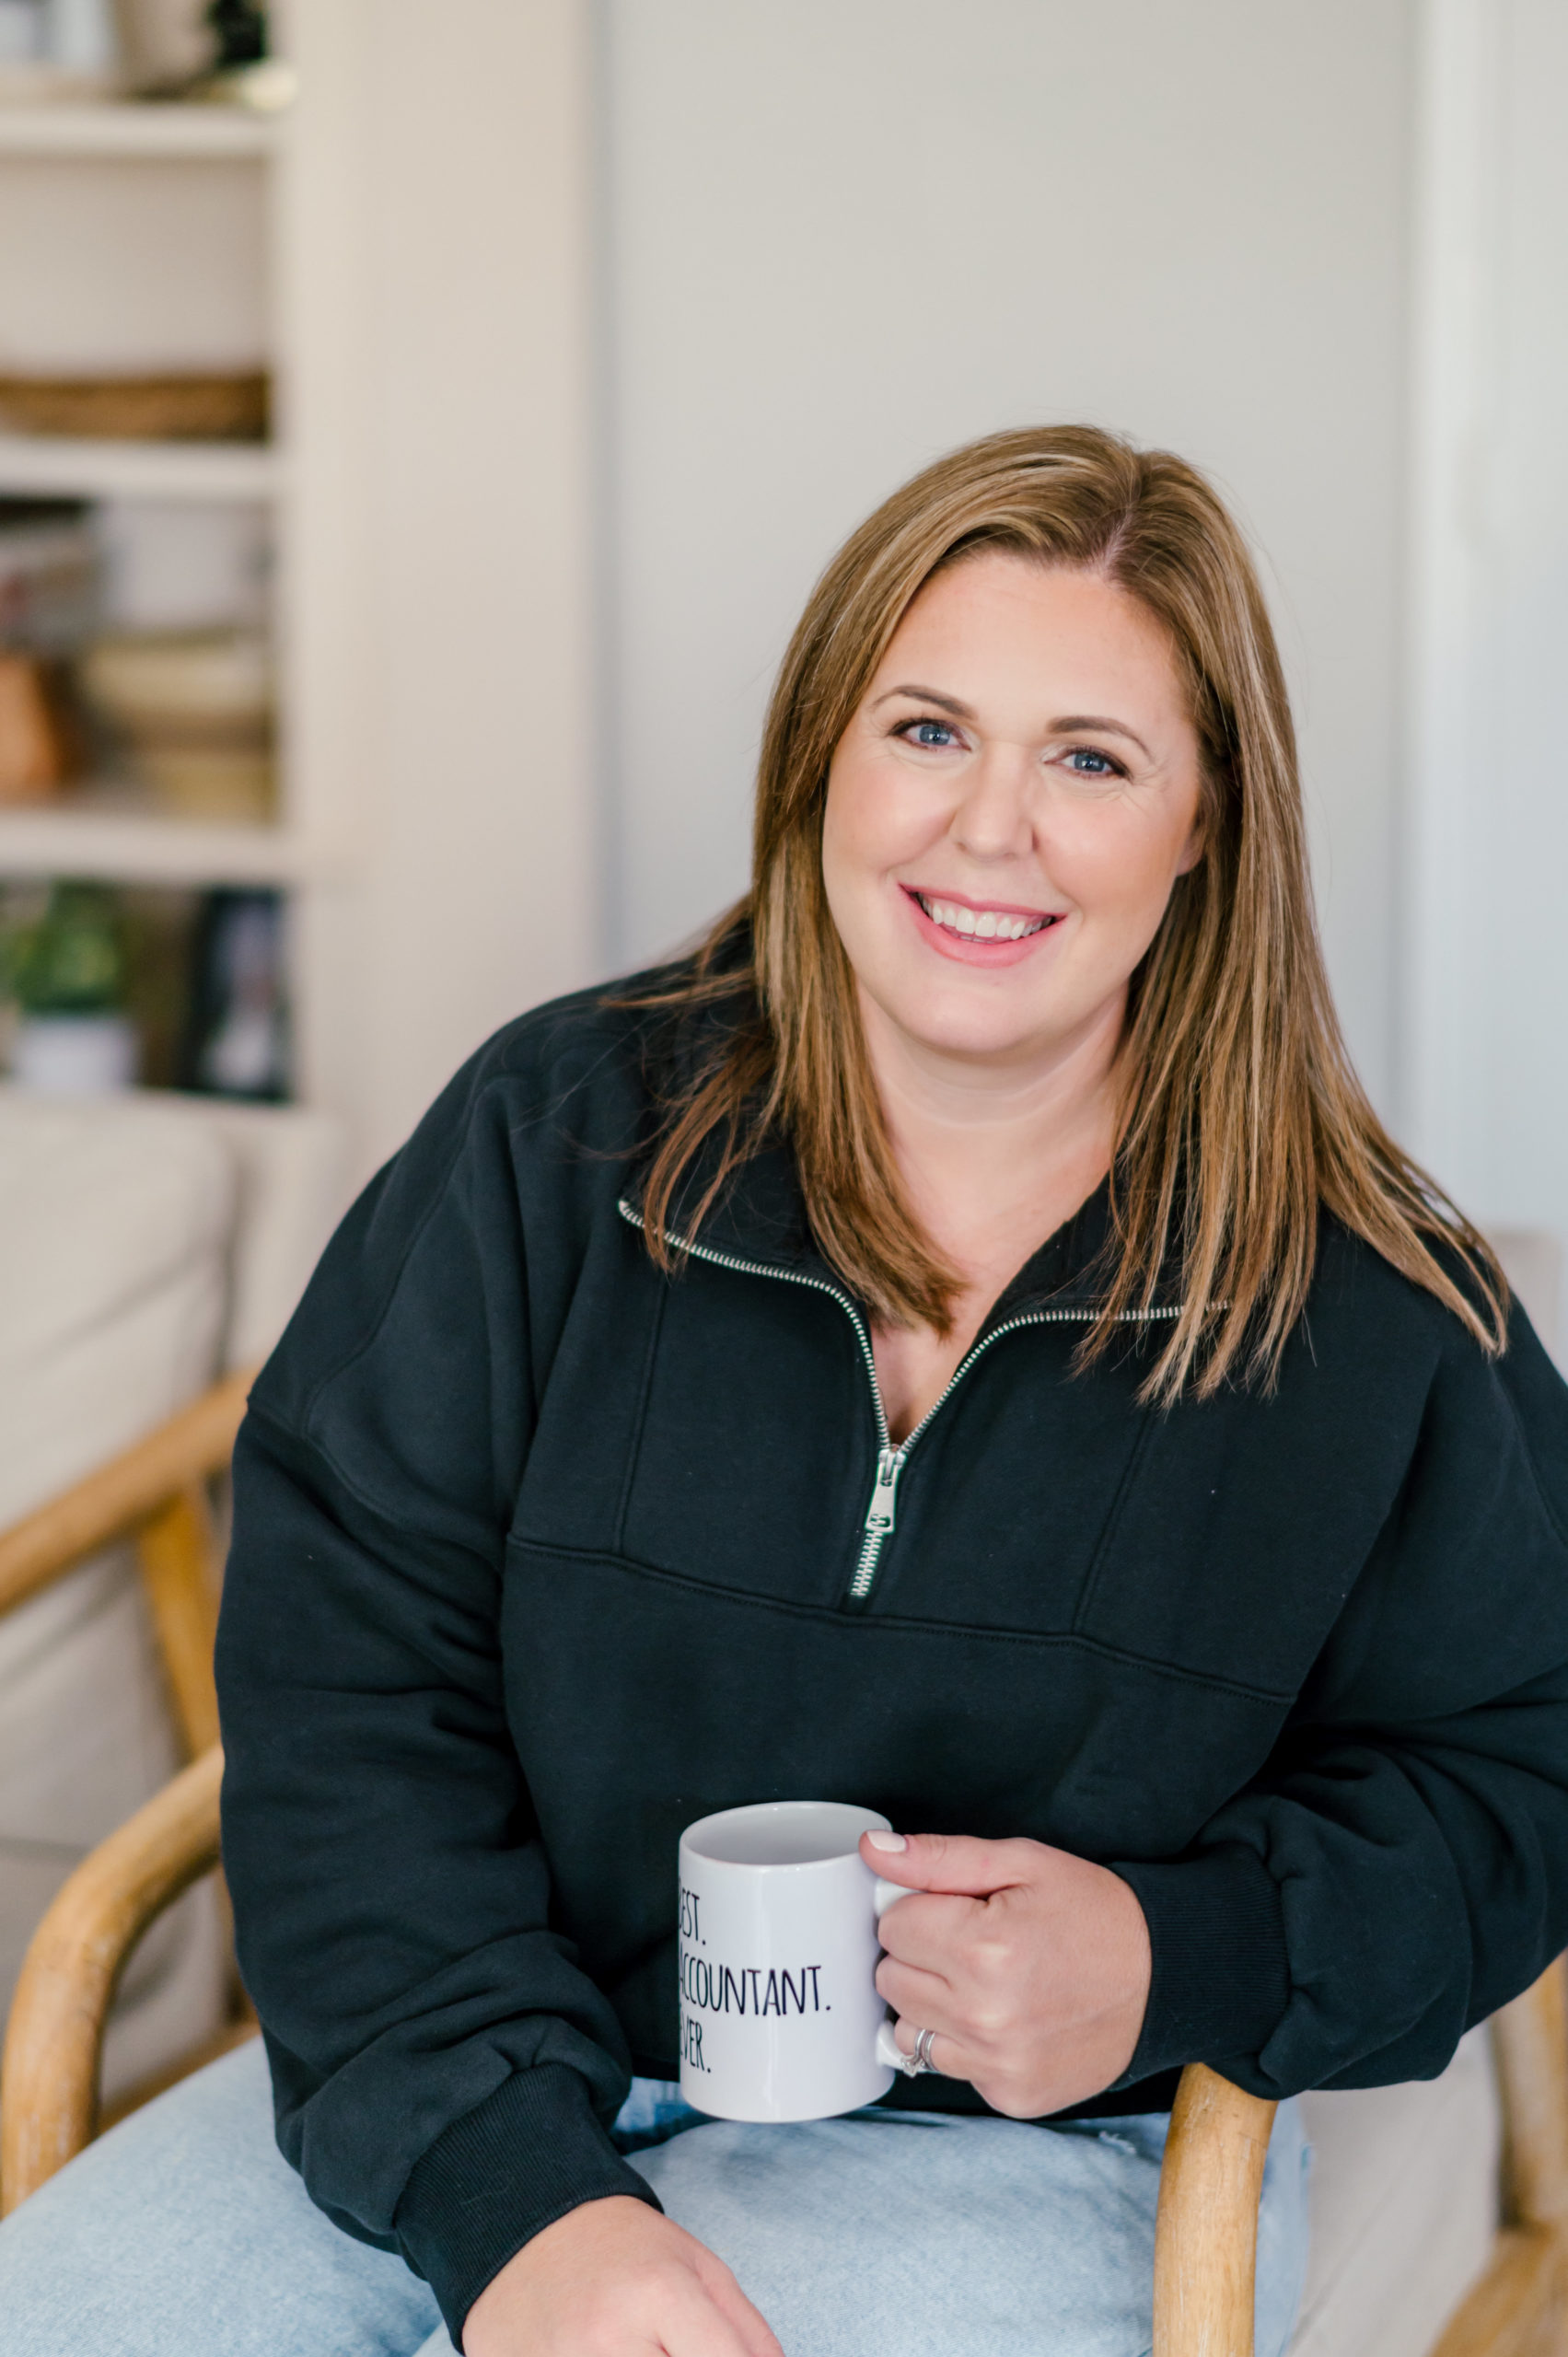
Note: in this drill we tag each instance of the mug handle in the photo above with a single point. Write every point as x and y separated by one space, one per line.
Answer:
883 1894
888 2051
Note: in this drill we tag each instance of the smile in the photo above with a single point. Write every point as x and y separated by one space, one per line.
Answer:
970 923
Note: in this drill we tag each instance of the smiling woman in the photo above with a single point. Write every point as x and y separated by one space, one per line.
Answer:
1048 656
997 856
959 1344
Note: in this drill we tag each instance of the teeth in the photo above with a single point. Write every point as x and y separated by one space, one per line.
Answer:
989 925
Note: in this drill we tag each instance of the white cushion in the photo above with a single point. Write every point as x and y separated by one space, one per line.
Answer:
287 1165
1404 2205
115 1235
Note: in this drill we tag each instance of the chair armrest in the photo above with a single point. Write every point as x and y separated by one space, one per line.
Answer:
1529 2038
1206 2231
122 1493
49 2081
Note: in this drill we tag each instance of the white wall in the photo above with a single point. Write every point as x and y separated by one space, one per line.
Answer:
436 601
1487 1094
844 234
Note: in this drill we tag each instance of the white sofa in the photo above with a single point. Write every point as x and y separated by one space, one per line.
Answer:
147 1243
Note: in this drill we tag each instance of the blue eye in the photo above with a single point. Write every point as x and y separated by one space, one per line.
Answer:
934 733
1089 763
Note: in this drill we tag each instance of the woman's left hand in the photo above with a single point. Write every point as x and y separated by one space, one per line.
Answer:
1031 1965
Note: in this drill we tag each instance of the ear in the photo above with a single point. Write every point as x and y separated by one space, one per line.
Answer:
1197 842
1192 850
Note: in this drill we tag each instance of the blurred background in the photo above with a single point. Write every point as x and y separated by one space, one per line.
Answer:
419 428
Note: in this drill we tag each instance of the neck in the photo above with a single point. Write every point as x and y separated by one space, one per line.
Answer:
995 1155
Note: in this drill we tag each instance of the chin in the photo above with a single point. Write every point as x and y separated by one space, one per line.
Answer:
980 1033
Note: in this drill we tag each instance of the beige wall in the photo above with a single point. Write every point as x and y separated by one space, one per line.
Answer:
1487 821
437 602
842 234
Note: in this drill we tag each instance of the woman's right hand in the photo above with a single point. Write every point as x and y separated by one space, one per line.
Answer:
615 2279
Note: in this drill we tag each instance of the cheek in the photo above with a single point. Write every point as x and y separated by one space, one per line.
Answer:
877 817
1115 864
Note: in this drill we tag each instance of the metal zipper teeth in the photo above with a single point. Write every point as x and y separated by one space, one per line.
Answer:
891 1461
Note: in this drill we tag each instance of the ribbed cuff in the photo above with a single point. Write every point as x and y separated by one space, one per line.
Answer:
1221 1978
494 2179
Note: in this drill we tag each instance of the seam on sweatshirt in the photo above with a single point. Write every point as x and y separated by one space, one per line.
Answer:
371 1334
829 1617
1113 1522
492 1564
640 1418
546 1107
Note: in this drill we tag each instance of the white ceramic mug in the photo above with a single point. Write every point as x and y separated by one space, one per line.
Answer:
780 2017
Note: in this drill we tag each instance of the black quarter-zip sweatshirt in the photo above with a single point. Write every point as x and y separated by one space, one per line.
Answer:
541 1554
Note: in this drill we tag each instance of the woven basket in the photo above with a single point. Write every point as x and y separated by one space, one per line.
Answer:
186 408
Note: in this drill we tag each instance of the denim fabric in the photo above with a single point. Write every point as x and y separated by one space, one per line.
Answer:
184 2233
931 2235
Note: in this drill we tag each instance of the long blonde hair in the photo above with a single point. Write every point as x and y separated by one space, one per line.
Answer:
1239 1114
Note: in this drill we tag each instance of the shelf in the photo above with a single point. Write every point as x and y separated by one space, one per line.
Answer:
136 849
40 464
107 129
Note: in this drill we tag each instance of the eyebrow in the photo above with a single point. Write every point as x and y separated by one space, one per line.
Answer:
1101 724
1072 723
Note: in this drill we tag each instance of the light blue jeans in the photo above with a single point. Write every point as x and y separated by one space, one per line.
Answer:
184 2233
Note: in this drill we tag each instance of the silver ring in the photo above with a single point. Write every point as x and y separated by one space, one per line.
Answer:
919 2057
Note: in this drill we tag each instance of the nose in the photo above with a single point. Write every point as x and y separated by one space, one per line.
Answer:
994 821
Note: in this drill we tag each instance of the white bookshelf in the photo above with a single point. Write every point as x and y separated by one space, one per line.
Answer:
89 833
423 269
133 847
59 469
105 128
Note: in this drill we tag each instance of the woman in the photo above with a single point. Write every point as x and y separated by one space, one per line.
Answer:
960 1342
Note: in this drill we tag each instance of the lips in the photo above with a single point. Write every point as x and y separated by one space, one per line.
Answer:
970 924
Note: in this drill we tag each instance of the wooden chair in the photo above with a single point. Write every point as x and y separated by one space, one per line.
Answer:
1206 2234
157 1493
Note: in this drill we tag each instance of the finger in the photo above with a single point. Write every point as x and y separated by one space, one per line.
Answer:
929 1928
696 2325
757 2336
923 1995
946 2055
958 1863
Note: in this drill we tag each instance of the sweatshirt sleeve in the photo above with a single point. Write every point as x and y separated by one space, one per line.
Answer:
444 2073
1399 1869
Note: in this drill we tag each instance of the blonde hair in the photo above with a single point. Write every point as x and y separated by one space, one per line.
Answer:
1239 1114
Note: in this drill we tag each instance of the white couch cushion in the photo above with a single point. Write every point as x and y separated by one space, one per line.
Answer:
288 1165
1404 2207
115 1231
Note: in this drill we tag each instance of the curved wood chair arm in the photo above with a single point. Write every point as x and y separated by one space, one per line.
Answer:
1529 2038
1520 2308
48 2081
1206 2230
126 1492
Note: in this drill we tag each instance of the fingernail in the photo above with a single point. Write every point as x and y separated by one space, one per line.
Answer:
881 1840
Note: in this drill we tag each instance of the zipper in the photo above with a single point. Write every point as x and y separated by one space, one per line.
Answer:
881 1512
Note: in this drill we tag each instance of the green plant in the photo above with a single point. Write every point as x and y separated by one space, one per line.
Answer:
72 959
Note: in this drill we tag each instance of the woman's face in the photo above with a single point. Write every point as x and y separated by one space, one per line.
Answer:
1008 810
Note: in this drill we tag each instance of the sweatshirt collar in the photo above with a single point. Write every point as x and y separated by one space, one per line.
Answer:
760 1218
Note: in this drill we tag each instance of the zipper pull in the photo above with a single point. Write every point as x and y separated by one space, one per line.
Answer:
879 1514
